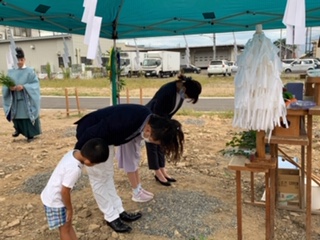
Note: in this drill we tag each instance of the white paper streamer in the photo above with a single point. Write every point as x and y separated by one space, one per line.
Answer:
9 59
65 56
187 52
12 50
93 27
94 38
235 48
259 103
89 11
99 56
137 65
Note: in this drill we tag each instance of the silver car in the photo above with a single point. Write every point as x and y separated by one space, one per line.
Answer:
300 65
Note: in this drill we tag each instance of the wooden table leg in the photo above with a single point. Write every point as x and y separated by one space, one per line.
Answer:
272 200
239 204
302 188
252 186
309 172
267 183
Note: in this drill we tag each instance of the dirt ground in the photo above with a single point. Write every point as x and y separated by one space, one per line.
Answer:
24 168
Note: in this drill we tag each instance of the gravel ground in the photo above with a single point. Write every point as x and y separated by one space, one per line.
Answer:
181 214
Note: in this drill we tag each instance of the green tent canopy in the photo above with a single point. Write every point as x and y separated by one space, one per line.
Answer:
123 19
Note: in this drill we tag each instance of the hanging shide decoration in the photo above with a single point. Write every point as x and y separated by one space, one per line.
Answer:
259 103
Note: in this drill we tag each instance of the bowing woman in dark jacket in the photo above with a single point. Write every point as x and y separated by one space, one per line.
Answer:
117 125
166 102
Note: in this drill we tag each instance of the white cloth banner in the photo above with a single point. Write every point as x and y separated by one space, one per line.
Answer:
187 52
137 57
99 56
295 20
9 59
12 51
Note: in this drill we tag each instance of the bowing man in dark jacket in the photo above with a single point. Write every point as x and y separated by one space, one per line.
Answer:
166 102
118 125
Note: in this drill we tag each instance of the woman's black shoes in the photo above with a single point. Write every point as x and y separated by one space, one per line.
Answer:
170 179
162 183
15 134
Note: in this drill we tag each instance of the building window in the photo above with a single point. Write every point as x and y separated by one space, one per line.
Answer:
105 61
86 61
21 32
17 31
61 65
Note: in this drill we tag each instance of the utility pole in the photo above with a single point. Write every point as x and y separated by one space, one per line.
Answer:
213 46
280 45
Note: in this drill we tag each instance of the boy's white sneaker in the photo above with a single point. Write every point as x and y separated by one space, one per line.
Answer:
141 197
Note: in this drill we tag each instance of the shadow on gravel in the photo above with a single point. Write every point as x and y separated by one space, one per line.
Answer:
36 183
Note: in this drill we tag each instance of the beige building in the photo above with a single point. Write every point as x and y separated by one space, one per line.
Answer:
42 47
316 48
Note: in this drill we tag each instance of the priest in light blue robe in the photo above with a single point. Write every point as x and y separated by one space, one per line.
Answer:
21 103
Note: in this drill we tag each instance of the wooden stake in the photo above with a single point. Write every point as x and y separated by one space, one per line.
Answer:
67 101
77 100
141 101
128 97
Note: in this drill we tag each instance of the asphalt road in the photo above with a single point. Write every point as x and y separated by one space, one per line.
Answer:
92 103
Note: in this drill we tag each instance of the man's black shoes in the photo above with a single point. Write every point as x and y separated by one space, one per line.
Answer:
130 217
118 226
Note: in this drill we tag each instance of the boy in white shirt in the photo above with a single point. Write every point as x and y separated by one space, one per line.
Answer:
56 195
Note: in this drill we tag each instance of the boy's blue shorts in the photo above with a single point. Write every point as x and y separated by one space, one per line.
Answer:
56 217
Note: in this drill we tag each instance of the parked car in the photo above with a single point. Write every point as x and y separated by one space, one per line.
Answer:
300 65
233 66
317 62
287 61
219 67
190 69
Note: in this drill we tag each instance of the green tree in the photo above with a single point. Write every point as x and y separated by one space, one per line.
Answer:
48 70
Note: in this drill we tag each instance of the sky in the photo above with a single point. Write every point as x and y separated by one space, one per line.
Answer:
207 39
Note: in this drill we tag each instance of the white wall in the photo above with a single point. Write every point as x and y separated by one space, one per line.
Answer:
42 50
